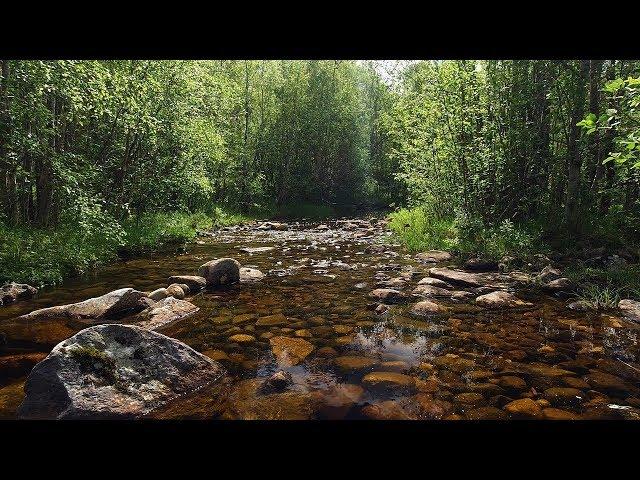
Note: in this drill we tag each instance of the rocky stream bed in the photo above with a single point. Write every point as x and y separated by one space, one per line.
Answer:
316 321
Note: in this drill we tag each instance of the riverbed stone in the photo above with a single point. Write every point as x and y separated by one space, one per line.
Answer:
630 309
11 292
158 294
564 396
433 256
164 312
426 308
388 295
500 299
435 282
114 372
353 363
194 282
430 291
388 380
558 414
220 272
174 290
248 275
242 338
524 408
272 320
290 350
486 413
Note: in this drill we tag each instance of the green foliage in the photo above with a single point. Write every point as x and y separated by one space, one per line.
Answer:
305 210
420 230
47 256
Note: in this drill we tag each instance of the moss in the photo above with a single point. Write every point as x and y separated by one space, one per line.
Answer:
93 360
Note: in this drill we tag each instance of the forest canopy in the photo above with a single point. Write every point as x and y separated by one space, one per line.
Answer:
92 147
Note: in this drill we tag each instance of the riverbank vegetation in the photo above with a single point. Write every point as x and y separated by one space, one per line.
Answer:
485 158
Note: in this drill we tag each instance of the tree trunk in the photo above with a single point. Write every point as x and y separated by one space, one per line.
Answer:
574 159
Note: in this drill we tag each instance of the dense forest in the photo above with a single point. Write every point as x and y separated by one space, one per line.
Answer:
490 157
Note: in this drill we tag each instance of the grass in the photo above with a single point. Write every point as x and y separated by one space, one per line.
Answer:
48 256
604 287
419 230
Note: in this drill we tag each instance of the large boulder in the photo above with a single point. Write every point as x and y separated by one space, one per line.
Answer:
194 282
223 271
11 292
111 305
165 311
114 372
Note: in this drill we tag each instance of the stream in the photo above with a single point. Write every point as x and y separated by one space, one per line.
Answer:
541 361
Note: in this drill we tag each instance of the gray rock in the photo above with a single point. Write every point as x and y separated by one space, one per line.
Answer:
164 312
223 271
12 292
548 274
113 304
434 282
159 294
176 291
500 300
194 282
250 274
114 372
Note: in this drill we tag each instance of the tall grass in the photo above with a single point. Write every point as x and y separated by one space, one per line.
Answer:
420 230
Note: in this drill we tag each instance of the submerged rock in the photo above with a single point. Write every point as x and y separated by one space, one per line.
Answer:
12 292
277 382
388 295
290 350
114 371
500 300
113 304
223 271
256 249
388 381
426 308
165 311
